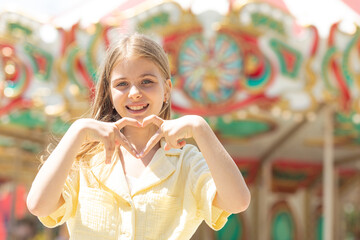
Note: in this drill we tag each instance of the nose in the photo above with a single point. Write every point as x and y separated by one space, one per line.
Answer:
134 92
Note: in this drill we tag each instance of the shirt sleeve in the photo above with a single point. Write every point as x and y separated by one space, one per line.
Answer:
68 208
204 190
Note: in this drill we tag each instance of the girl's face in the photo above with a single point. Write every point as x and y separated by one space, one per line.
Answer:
138 88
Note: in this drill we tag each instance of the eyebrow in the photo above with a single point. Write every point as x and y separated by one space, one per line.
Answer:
147 75
141 76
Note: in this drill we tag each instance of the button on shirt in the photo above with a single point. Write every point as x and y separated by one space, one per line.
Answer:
173 196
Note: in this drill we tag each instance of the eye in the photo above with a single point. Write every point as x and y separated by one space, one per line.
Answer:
121 84
147 81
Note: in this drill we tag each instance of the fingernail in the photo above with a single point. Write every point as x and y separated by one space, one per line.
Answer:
137 156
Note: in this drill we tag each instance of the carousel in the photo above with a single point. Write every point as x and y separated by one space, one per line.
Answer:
283 100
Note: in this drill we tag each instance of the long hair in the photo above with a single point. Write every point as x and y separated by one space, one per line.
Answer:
134 45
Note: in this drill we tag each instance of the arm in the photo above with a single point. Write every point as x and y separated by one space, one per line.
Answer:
232 192
45 193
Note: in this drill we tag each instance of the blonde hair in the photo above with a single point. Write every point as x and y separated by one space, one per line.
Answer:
134 45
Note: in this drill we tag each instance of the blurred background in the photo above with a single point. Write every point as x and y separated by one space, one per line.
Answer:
277 80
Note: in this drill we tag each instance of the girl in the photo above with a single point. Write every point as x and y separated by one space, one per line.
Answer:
127 172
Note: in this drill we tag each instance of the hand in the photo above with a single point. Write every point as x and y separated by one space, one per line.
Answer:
174 131
110 135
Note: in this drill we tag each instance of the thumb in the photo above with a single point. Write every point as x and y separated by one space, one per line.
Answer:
167 147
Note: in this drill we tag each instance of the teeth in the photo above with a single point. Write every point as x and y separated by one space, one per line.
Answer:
136 107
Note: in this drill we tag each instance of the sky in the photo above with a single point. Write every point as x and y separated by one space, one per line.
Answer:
321 13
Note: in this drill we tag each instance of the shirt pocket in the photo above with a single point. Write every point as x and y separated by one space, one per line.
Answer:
97 212
163 213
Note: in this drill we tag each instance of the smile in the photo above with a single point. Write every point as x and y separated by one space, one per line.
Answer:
137 108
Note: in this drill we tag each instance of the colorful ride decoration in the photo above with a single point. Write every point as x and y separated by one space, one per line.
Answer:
255 56
17 76
209 71
339 67
347 128
283 225
290 176
341 75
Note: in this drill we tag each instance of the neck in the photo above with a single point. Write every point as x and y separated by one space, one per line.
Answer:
139 137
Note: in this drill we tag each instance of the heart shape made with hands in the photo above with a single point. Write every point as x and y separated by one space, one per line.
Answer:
153 119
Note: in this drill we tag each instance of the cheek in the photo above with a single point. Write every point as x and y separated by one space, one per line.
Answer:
116 95
158 94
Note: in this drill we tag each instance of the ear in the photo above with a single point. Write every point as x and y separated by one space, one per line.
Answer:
168 88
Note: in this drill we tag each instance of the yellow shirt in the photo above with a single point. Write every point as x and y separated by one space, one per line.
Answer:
174 197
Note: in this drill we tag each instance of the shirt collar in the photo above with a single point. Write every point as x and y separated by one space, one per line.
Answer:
112 175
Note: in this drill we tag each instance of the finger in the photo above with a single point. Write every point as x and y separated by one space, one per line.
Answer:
119 151
152 119
109 151
181 143
109 147
126 144
169 146
127 121
178 144
131 150
152 142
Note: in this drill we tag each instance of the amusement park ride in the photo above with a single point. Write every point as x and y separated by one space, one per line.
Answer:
284 102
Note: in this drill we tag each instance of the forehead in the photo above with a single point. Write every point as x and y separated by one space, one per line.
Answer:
134 67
